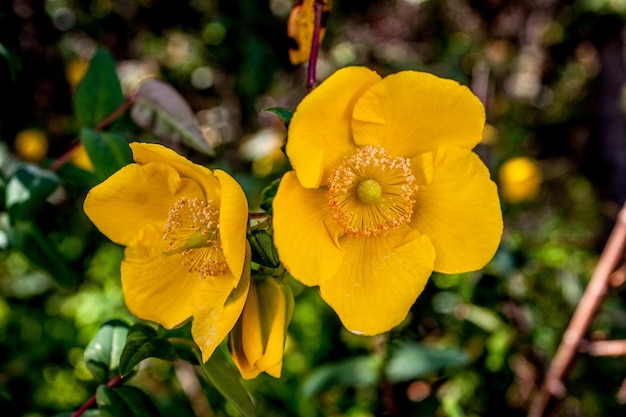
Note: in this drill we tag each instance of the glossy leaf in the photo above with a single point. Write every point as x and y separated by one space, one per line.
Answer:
27 238
226 380
359 371
127 401
143 342
163 111
102 354
108 152
268 196
27 189
411 361
99 92
283 114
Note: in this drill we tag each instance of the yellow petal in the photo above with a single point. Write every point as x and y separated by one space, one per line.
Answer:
134 197
319 134
144 153
156 287
457 206
379 280
411 112
217 308
306 237
233 222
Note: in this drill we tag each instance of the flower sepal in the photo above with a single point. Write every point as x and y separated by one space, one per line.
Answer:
263 249
257 341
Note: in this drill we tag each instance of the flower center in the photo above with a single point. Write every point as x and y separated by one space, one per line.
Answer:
371 192
193 231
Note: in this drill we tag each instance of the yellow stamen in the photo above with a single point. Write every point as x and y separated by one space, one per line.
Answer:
192 231
371 192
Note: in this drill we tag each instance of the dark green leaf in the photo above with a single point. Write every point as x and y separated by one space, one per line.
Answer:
88 413
360 371
12 59
143 342
99 91
283 114
126 401
163 111
411 361
108 152
226 380
28 239
263 250
268 195
102 355
27 189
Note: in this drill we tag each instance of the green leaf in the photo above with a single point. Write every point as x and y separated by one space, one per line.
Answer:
360 371
283 114
13 60
268 195
159 109
27 189
102 354
126 401
143 342
99 91
227 382
108 152
28 239
263 249
411 361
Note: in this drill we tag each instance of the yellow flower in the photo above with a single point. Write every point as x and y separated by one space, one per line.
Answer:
520 180
257 342
385 189
80 158
31 145
184 228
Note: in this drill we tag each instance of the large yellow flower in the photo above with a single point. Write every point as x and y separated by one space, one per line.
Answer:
385 189
184 228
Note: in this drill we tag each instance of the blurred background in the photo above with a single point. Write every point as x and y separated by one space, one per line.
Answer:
551 76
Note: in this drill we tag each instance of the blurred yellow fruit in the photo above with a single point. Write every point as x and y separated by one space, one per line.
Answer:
31 145
520 180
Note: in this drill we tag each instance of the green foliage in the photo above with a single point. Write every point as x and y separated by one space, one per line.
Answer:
108 152
124 401
143 342
102 354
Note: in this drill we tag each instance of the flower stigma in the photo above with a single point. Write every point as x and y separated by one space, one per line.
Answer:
192 230
371 192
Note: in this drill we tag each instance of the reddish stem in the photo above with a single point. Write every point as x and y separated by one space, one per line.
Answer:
318 7
92 401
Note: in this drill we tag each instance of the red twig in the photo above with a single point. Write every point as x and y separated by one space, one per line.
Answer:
318 8
92 401
553 386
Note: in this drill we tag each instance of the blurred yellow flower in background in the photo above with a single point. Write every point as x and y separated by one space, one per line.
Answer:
80 158
385 189
520 180
184 228
257 342
31 145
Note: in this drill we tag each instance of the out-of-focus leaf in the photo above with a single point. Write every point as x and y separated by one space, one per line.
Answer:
359 371
27 189
127 401
283 114
225 379
143 342
163 111
108 152
102 354
99 91
28 239
268 195
410 361
88 413
13 60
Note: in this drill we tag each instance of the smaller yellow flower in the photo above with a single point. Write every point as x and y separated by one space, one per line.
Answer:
258 340
520 180
184 228
31 145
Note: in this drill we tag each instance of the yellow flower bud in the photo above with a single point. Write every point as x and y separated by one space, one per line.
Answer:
31 145
520 180
257 341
